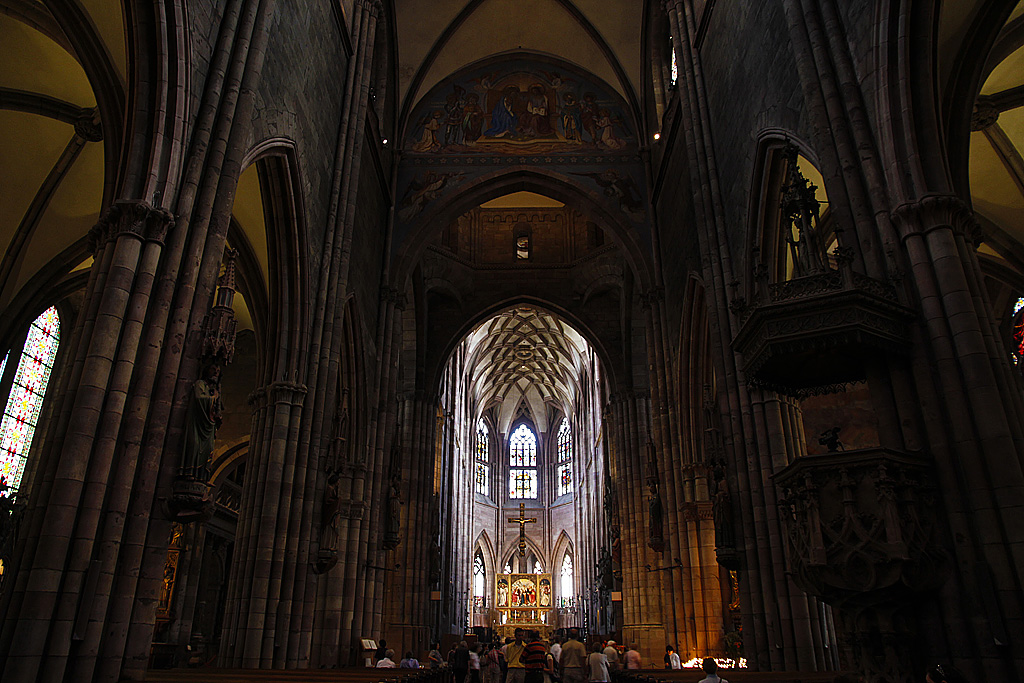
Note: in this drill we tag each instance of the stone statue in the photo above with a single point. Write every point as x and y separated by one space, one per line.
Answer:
393 514
657 540
830 440
605 576
616 537
434 571
721 506
327 555
202 419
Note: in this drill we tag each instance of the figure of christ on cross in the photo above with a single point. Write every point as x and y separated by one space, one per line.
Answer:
522 521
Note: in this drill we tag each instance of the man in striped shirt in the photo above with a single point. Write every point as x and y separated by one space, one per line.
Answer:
534 657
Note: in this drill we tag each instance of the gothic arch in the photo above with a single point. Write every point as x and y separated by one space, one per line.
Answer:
512 549
484 545
411 240
286 336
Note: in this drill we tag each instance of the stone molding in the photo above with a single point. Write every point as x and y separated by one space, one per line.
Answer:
134 218
934 212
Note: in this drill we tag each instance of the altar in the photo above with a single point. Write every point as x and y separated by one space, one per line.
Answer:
524 601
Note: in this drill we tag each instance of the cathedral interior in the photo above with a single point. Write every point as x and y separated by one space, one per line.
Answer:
676 322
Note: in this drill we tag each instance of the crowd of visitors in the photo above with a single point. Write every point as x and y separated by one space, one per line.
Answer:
524 658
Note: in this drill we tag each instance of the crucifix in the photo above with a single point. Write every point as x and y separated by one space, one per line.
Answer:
522 521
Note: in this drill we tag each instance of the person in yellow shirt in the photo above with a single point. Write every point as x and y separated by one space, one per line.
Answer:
514 658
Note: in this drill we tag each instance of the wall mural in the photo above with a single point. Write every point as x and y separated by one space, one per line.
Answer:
525 113
520 107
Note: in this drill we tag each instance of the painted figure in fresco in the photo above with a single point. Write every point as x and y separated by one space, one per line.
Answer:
423 190
472 119
502 593
428 138
545 593
619 187
606 135
454 107
588 116
503 118
535 122
572 123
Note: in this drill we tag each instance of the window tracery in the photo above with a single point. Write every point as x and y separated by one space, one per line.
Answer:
565 588
21 413
479 580
483 460
522 473
564 459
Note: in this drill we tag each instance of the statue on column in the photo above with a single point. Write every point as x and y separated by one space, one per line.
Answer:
656 538
327 555
202 419
393 514
190 499
605 576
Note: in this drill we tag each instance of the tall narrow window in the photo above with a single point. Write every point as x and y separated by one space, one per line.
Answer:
483 460
674 68
26 399
1017 332
564 458
522 474
565 587
479 581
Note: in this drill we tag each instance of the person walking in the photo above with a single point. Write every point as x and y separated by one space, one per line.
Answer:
534 656
598 665
631 659
460 662
474 664
710 667
514 659
556 648
672 658
612 654
572 659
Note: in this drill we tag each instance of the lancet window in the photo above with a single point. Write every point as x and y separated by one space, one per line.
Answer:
479 580
483 459
565 587
522 474
1017 332
26 398
564 460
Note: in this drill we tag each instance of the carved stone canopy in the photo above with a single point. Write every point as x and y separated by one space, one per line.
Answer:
810 334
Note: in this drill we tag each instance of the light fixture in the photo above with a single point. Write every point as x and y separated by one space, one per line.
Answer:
657 136
384 141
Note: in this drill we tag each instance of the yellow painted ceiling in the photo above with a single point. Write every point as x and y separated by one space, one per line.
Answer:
248 212
497 26
31 61
523 200
30 144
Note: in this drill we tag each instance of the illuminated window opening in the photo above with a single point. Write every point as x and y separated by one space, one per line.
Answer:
483 460
21 413
522 475
564 473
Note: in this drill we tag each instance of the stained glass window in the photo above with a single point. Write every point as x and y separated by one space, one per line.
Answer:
1017 332
675 68
26 399
564 458
483 460
565 588
522 477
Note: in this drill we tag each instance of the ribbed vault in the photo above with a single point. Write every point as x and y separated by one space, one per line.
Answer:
526 355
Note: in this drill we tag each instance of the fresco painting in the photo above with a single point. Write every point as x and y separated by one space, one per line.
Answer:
523 108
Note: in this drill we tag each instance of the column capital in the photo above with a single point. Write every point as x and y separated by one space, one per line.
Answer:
132 217
932 212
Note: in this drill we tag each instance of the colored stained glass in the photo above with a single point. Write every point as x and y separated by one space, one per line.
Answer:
26 399
483 479
483 459
564 458
522 483
523 447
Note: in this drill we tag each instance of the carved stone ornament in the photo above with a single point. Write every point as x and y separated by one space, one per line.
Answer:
131 217
860 525
812 334
861 536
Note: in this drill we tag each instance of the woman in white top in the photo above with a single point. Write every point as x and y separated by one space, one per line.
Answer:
598 663
388 662
474 664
